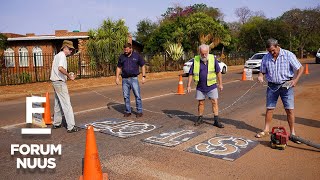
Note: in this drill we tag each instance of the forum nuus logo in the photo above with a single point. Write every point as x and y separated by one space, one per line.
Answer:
35 155
32 156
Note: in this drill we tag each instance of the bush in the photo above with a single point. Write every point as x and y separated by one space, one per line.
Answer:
157 63
24 77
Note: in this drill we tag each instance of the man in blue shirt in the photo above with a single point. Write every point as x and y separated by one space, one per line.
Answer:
204 73
129 63
279 66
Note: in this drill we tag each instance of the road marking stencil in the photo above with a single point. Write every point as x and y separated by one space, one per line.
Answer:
224 147
120 128
172 138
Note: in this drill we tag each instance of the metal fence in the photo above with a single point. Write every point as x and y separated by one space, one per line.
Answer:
37 68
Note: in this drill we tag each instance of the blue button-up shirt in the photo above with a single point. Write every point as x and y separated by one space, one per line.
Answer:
130 65
203 74
280 70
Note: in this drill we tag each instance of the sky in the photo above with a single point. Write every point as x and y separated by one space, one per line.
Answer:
45 16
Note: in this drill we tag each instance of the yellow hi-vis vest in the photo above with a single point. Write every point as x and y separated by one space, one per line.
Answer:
212 77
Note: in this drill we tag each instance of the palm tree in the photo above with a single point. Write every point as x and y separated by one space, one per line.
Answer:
106 43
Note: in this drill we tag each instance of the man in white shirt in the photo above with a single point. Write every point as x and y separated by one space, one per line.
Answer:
59 75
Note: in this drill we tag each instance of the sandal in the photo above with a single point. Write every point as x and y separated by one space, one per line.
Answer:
262 134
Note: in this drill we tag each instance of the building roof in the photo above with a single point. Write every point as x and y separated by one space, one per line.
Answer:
45 38
59 34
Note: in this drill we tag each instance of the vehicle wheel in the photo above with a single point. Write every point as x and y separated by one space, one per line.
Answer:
224 70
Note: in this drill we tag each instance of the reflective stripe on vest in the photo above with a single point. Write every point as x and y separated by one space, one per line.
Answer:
211 77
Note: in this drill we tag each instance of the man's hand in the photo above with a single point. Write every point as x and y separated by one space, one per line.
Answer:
143 80
260 79
188 89
293 82
220 87
72 77
117 81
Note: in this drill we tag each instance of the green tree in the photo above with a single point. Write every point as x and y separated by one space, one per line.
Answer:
257 31
106 43
144 30
3 41
304 27
201 28
188 26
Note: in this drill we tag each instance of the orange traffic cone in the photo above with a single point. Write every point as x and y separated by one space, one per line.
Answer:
180 86
306 71
92 168
47 116
244 77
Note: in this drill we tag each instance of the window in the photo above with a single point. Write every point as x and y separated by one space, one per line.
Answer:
23 57
9 57
37 56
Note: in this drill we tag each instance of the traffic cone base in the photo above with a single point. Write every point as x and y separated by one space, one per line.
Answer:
180 86
47 114
104 177
92 168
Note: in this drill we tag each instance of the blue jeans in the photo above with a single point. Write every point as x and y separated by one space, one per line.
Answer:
273 93
127 85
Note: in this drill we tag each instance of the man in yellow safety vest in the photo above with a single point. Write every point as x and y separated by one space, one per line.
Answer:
205 72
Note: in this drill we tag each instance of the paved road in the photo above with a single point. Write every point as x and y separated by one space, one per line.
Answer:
130 158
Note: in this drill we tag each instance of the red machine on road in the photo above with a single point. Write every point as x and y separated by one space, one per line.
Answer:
279 138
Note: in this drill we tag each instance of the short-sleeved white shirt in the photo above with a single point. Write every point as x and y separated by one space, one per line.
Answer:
59 60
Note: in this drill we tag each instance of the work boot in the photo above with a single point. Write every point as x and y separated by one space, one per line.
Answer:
139 115
199 121
126 114
217 123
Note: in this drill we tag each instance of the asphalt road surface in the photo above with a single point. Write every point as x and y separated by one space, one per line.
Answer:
242 108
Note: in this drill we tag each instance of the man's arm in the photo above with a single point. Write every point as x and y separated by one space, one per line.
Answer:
118 71
260 77
143 68
189 83
297 77
64 71
220 81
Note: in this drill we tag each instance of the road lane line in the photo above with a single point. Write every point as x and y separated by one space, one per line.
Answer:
12 126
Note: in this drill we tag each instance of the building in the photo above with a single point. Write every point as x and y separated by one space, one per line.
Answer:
31 55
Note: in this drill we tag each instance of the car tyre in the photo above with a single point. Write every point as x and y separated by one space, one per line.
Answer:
224 70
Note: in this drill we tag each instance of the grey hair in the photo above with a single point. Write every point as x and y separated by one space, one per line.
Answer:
271 42
204 46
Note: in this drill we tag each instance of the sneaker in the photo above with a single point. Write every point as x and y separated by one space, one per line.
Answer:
56 127
218 124
199 121
139 115
74 129
127 114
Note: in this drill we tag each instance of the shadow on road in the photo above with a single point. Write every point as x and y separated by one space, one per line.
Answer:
209 120
119 107
298 120
181 114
